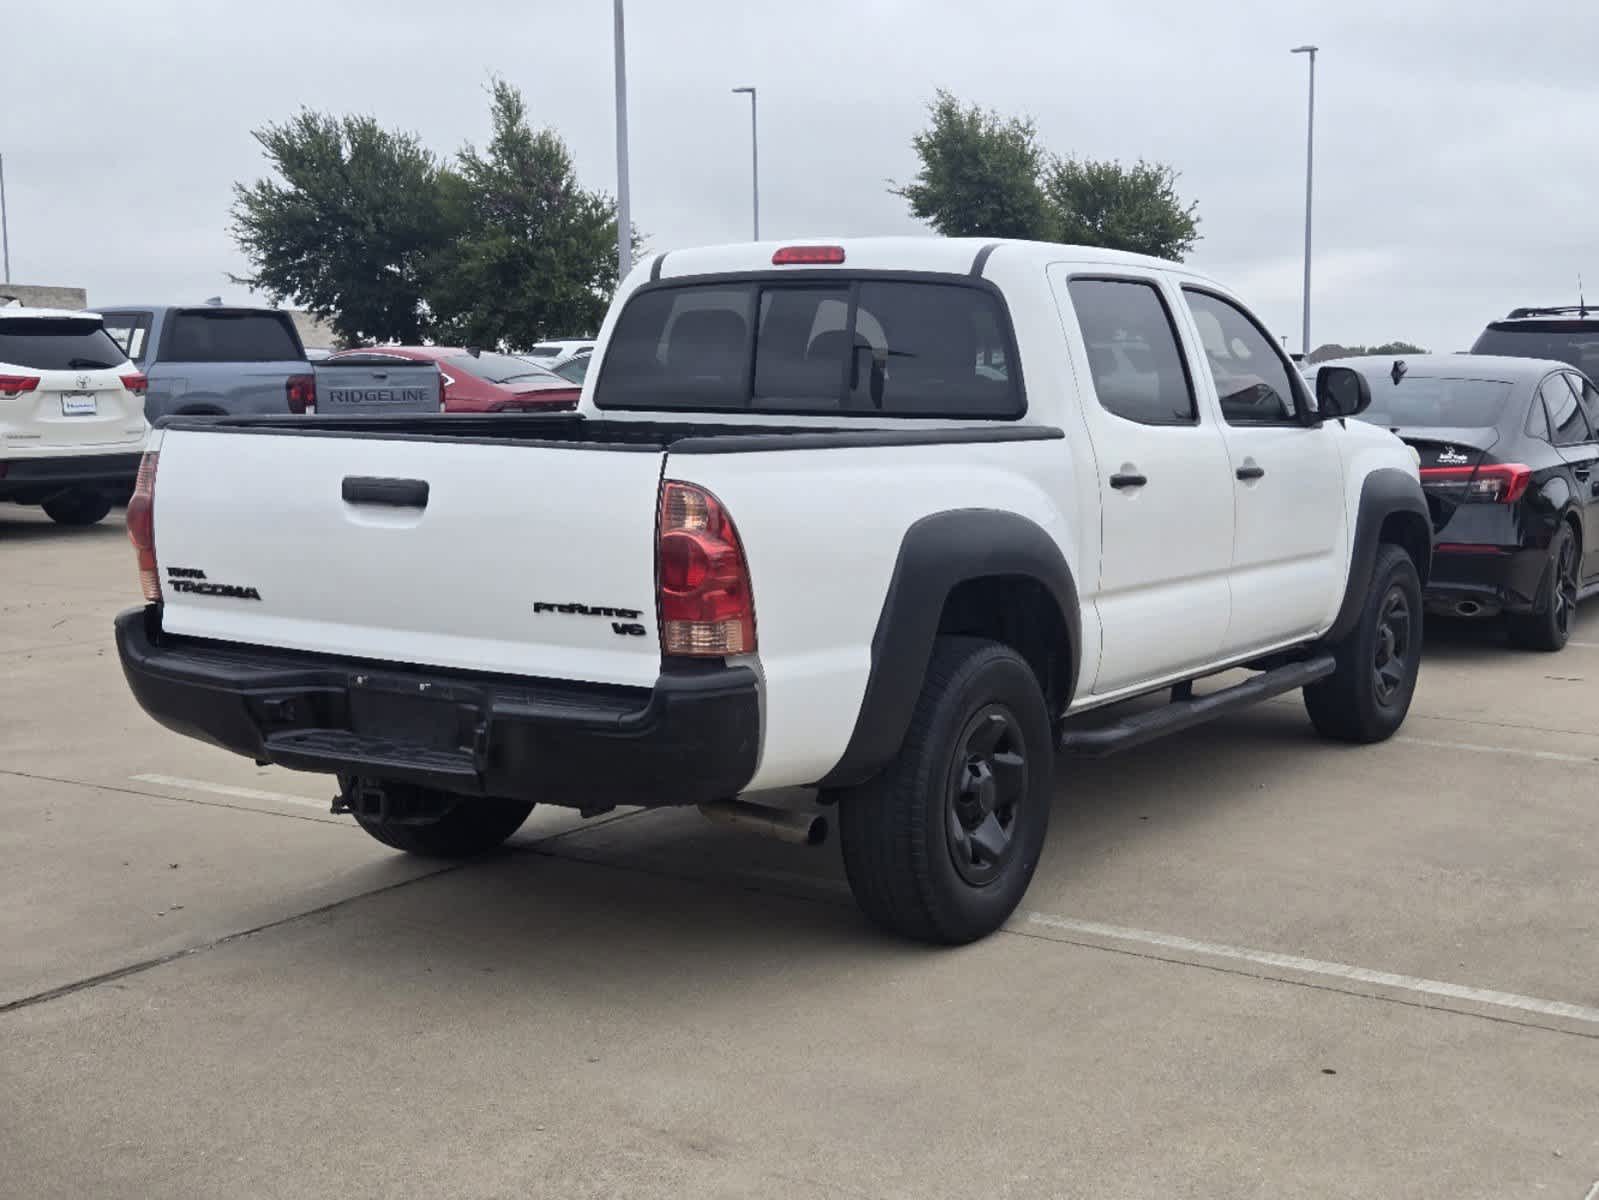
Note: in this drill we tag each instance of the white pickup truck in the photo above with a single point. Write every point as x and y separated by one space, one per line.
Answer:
886 518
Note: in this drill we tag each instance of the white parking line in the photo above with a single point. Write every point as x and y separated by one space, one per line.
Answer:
1546 755
226 789
1327 970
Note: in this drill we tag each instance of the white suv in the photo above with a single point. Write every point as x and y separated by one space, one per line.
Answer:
71 414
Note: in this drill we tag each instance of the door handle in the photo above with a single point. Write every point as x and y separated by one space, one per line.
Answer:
395 493
1127 479
1250 471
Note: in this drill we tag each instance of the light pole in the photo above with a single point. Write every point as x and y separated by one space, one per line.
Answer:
755 159
5 231
1310 159
624 213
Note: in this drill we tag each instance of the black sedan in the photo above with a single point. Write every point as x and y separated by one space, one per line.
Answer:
1509 455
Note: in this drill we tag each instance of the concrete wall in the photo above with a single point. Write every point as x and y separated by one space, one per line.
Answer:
36 296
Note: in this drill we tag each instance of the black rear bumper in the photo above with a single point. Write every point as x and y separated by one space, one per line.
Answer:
1485 581
693 737
33 479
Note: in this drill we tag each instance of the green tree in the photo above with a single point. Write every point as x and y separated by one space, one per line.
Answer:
979 175
536 253
1387 349
1136 208
348 227
986 175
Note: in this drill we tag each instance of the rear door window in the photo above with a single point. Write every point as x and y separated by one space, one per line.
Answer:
1565 412
862 347
200 336
57 344
130 331
1590 398
1131 344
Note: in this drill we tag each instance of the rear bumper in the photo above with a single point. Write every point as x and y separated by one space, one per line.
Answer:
43 476
1485 580
693 737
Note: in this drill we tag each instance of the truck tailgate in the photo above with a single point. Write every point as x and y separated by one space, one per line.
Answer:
378 384
516 559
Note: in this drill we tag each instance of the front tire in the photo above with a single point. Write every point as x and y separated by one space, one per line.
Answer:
941 846
1548 627
474 826
1367 697
77 508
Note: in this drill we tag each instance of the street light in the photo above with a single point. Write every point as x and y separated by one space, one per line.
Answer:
1310 157
5 232
755 159
624 214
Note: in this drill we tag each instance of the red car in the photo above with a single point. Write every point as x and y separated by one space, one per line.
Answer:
480 381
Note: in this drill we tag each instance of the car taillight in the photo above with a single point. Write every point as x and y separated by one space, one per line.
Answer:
302 393
706 604
1496 483
137 384
15 385
141 526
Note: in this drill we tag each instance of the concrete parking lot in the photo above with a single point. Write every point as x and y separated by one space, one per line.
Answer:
1252 964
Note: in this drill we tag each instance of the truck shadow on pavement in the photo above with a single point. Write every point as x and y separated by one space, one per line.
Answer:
31 525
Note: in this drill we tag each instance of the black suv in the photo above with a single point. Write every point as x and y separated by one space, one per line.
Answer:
1568 335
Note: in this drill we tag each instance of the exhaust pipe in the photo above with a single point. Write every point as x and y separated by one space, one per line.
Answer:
1467 608
796 828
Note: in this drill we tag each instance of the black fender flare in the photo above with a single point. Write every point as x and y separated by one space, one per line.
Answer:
1383 493
937 553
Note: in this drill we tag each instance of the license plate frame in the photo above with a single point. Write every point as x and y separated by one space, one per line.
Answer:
80 404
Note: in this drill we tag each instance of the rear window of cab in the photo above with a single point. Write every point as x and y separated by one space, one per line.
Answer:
833 345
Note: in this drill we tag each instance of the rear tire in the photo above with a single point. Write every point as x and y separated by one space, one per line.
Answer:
77 508
1548 626
1367 697
942 845
472 827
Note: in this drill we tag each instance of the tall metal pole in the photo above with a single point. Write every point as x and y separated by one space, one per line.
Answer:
5 230
624 208
1310 161
755 159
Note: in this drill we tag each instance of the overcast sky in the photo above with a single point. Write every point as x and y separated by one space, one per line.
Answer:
1457 155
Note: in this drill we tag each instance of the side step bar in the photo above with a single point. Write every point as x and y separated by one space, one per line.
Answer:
1181 714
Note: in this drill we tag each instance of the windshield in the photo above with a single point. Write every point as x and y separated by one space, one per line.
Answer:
57 344
1573 342
499 368
1434 401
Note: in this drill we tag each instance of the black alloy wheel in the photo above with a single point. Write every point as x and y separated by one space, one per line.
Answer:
987 785
1391 667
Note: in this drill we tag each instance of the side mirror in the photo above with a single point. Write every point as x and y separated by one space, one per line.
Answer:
1341 392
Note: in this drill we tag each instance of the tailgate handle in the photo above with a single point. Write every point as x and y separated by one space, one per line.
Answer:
396 493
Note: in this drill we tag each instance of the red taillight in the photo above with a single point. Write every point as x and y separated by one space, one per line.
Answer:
707 606
141 526
137 384
302 393
15 385
1496 483
794 256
